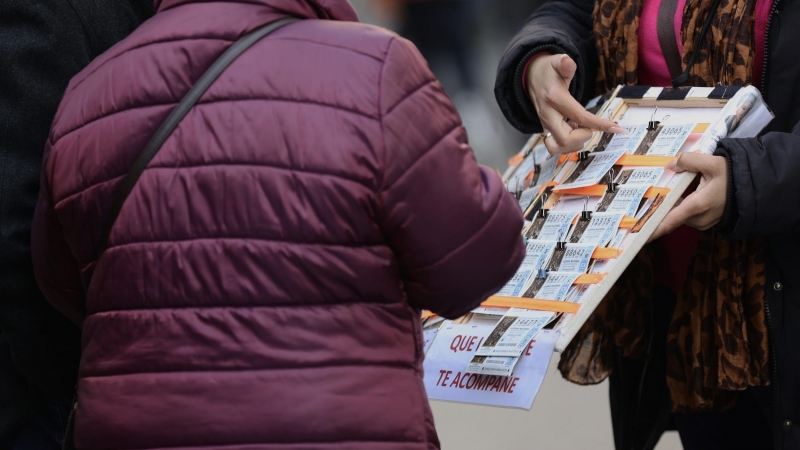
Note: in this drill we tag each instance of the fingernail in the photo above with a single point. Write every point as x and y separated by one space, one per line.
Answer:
617 130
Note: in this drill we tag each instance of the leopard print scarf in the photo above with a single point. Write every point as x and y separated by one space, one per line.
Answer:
717 340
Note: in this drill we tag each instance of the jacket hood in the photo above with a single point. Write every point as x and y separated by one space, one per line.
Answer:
308 9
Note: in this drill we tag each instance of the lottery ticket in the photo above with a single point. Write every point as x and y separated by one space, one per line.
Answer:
577 258
648 176
625 200
622 142
513 332
557 285
556 226
536 254
592 170
600 229
493 365
670 140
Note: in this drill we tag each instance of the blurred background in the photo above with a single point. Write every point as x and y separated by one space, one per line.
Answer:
463 41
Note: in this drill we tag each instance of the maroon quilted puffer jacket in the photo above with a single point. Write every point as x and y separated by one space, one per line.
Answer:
261 285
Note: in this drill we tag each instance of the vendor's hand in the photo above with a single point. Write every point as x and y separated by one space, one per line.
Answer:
548 80
703 208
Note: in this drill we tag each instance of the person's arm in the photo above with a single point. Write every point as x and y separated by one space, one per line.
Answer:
43 45
455 231
749 188
57 272
764 187
557 27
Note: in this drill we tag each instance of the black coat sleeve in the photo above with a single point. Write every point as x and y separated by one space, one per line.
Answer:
42 45
559 26
764 185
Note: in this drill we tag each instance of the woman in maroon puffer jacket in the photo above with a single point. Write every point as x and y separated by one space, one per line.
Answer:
261 284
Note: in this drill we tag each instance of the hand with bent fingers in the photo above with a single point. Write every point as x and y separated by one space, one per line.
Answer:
703 208
548 80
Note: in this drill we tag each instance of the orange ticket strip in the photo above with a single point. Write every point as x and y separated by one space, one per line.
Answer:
590 278
626 222
532 303
599 190
637 160
645 160
516 159
606 253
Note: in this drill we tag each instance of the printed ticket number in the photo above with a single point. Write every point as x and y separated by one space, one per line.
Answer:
601 229
647 176
670 140
557 285
626 200
577 258
556 226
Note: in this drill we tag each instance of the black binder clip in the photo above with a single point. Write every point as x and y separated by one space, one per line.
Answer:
542 210
518 192
561 245
583 156
586 214
653 124
612 187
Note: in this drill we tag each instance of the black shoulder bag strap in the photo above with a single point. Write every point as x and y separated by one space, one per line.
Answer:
178 113
154 145
665 29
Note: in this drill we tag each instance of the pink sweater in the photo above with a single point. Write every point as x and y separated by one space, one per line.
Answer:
653 69
671 267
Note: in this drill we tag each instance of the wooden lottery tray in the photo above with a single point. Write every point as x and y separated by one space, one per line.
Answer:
705 103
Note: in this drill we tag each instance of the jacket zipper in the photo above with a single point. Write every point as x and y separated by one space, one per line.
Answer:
772 10
773 361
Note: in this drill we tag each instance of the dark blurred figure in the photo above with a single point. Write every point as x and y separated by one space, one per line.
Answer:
42 45
443 31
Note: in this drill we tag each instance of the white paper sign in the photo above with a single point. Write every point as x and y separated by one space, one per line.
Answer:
446 379
428 338
601 228
670 140
557 285
513 332
627 199
556 226
577 258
